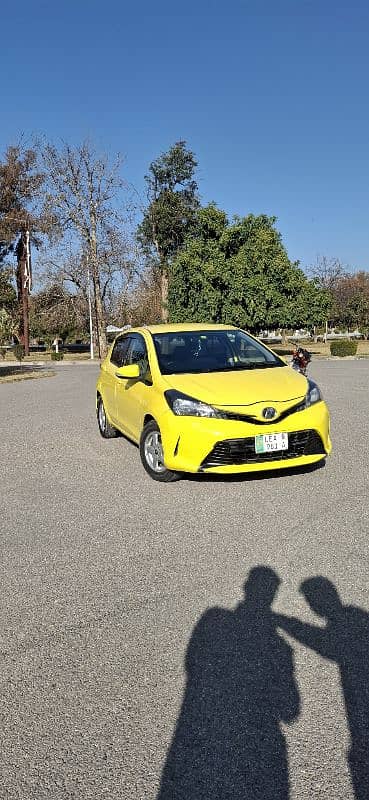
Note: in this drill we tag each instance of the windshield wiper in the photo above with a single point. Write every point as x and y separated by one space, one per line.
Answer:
249 365
234 368
266 365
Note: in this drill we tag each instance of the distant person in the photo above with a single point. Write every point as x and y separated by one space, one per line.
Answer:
344 640
228 744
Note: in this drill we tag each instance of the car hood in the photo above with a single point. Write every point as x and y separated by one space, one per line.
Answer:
242 388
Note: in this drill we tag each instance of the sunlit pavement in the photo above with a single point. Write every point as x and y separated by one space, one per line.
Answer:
105 575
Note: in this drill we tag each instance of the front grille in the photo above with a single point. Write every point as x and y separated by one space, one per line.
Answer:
255 421
233 452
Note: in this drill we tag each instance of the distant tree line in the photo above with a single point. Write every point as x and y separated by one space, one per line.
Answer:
165 258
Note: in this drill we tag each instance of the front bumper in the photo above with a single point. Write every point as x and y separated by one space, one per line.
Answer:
194 444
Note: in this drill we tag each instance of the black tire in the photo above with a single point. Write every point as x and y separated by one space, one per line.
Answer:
152 460
107 431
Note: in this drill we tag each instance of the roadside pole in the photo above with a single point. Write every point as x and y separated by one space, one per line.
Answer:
24 281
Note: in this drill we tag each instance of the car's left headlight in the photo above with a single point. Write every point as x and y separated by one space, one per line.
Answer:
313 394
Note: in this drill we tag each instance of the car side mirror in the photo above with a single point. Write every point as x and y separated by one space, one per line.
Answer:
129 371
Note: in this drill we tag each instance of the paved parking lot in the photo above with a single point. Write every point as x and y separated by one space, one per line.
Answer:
106 578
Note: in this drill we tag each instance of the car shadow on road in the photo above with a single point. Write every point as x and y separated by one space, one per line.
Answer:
247 477
228 743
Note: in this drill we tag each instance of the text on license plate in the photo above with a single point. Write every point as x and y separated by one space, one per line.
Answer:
271 442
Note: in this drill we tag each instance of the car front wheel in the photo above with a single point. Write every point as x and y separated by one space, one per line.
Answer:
152 456
107 431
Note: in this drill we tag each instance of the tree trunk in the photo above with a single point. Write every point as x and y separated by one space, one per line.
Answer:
102 342
164 295
22 288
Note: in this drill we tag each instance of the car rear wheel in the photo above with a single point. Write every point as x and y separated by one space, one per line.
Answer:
107 431
152 456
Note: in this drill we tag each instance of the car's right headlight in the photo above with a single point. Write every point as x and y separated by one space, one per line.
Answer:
184 406
313 394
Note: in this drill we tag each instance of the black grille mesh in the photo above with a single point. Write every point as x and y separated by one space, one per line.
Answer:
233 452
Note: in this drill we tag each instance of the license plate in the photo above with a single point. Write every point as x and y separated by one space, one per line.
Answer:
271 442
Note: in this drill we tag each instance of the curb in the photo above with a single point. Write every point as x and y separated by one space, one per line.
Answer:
53 364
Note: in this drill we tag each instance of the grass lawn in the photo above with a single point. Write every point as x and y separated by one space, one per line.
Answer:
22 373
46 357
321 349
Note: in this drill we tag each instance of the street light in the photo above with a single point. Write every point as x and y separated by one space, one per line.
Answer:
90 312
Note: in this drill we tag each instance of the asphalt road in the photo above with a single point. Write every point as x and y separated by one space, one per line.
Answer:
105 580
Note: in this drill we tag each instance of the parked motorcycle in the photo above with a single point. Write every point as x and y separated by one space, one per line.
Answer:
300 360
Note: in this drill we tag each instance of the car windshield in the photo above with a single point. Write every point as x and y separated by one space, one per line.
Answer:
211 351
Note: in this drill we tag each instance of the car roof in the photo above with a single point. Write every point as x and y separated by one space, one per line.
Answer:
183 327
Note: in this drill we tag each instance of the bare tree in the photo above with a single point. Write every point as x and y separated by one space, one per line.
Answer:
327 272
119 267
84 195
55 311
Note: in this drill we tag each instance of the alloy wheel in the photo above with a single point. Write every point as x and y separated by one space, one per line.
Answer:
154 452
102 416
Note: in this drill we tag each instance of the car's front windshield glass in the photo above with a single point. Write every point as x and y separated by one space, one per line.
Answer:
211 351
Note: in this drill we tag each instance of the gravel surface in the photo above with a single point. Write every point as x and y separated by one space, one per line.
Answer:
109 579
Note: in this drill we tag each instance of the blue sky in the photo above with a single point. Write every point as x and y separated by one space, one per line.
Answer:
271 96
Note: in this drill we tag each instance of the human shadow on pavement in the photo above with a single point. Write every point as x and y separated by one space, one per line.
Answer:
344 640
228 743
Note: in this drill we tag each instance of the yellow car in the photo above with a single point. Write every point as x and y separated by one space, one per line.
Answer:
209 398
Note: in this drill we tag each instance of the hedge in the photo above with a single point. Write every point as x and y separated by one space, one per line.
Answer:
18 350
345 347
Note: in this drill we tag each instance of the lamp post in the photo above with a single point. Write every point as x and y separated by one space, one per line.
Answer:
90 312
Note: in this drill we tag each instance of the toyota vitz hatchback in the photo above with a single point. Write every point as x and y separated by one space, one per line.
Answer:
209 398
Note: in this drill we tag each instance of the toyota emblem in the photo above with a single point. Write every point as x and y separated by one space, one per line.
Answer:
269 412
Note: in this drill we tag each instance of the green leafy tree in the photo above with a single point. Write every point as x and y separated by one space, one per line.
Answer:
240 273
7 326
20 203
173 202
8 297
20 195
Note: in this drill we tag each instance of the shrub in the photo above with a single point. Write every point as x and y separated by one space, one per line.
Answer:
18 351
3 353
345 347
56 356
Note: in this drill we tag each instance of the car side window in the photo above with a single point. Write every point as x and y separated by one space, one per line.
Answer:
138 355
120 351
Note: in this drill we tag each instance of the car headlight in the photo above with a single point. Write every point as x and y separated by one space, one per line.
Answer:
313 394
184 406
